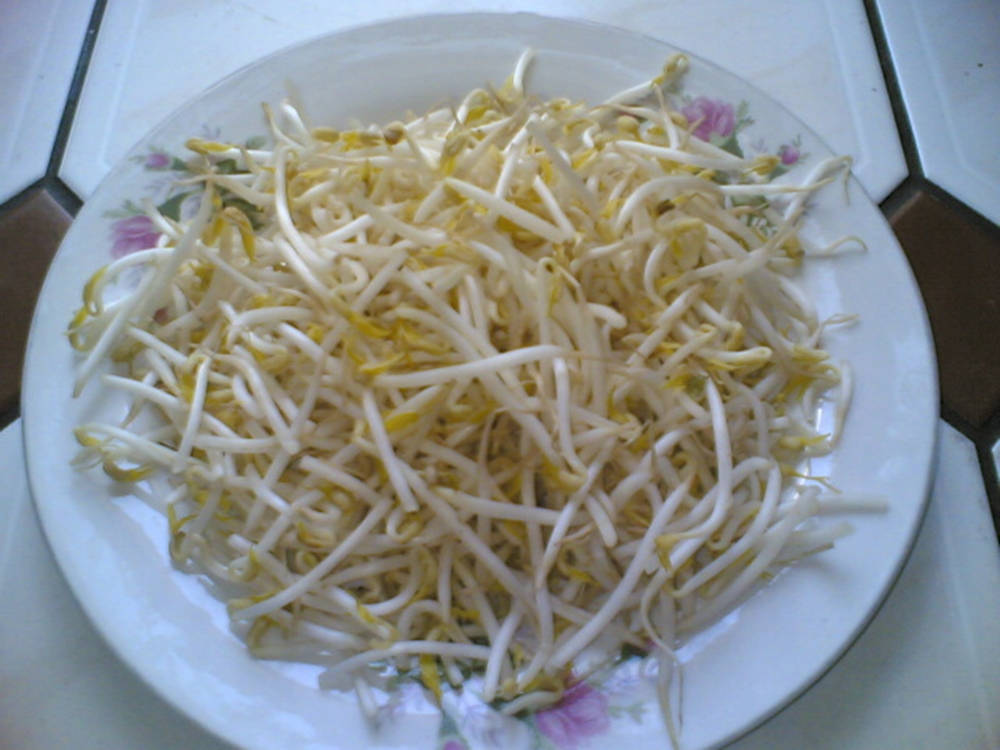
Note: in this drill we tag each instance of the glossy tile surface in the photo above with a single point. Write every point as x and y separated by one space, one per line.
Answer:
29 236
39 45
957 265
947 60
815 56
925 673
64 688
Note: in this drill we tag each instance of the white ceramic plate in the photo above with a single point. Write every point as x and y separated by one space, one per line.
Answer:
161 622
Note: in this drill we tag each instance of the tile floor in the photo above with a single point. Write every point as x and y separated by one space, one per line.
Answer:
31 227
949 74
954 259
952 250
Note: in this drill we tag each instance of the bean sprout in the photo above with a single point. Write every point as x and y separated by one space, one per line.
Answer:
474 389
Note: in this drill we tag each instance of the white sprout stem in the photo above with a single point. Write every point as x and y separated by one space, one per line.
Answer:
194 413
658 187
143 449
498 652
476 369
294 236
436 648
519 216
680 156
773 542
532 701
521 68
389 461
311 578
348 231
756 529
616 599
109 334
407 231
498 510
562 166
472 542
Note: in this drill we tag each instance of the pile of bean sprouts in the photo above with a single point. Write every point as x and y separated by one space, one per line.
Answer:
477 391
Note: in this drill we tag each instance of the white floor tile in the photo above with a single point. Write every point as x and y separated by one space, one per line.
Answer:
815 56
947 59
925 674
40 43
64 688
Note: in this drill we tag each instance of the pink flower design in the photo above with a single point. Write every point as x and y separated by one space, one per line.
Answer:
156 160
132 234
713 117
789 154
454 745
582 713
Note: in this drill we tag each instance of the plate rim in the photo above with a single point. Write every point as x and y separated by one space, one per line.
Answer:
35 343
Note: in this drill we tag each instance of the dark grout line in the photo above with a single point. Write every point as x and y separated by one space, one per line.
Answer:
988 468
949 415
992 428
905 130
983 438
917 179
899 197
75 87
906 138
50 181
62 195
7 417
21 197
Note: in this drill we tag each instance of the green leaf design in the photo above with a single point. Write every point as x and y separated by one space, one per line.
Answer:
777 171
171 208
730 144
448 730
253 213
227 166
629 651
636 712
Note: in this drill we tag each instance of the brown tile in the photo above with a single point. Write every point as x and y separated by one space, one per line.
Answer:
957 264
29 235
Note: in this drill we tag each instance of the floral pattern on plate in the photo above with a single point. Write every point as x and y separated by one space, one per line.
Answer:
589 709
714 120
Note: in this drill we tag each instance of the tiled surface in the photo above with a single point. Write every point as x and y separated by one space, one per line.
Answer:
947 60
816 56
63 687
957 264
29 235
39 46
922 675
